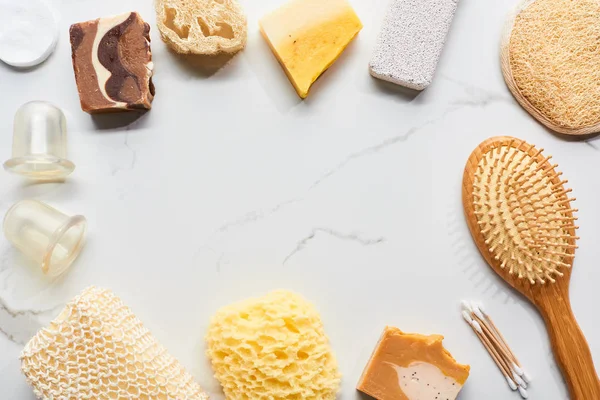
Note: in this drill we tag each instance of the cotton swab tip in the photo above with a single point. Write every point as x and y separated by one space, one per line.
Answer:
466 305
517 369
477 311
526 377
481 308
519 381
523 392
467 317
510 382
477 327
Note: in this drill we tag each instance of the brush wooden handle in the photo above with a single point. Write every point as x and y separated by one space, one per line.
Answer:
570 349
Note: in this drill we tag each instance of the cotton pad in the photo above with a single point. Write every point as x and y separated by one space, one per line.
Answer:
411 41
28 32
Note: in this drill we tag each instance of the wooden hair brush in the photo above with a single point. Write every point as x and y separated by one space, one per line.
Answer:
521 219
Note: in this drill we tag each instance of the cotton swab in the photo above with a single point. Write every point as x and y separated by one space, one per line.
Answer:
520 371
495 343
477 329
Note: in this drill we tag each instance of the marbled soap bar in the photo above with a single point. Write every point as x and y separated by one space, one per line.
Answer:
407 366
112 61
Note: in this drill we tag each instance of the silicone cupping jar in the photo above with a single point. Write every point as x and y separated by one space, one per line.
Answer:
39 149
48 237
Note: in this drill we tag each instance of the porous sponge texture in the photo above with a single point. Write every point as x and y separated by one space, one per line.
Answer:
205 27
551 54
411 41
272 347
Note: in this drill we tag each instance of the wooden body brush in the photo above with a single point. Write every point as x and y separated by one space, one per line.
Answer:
521 219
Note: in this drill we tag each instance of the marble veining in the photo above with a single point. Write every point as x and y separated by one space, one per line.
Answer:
133 152
476 97
19 325
356 237
256 215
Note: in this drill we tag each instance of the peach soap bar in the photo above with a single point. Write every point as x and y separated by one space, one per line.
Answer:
408 366
307 36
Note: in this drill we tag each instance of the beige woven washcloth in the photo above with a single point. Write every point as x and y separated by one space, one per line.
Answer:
98 349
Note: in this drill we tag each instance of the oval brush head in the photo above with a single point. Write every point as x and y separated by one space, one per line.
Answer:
521 211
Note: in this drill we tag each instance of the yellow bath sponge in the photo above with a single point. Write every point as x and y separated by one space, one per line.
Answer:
272 347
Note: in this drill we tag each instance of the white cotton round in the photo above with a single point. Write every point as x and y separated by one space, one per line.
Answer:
28 32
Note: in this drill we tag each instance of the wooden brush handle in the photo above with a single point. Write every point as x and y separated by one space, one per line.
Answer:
571 349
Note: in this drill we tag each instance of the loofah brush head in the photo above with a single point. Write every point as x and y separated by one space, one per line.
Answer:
519 211
550 55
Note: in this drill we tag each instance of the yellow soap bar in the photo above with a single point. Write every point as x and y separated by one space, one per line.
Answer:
307 36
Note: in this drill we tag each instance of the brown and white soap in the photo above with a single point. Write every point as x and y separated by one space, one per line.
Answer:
113 65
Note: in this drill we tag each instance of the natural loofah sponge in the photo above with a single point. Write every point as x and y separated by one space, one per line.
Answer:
272 347
550 59
206 27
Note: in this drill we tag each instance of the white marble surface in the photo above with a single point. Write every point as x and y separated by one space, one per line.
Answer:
231 187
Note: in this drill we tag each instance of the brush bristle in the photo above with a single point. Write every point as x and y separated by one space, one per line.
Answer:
524 212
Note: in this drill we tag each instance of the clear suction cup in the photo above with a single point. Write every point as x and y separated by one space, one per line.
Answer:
40 143
48 237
